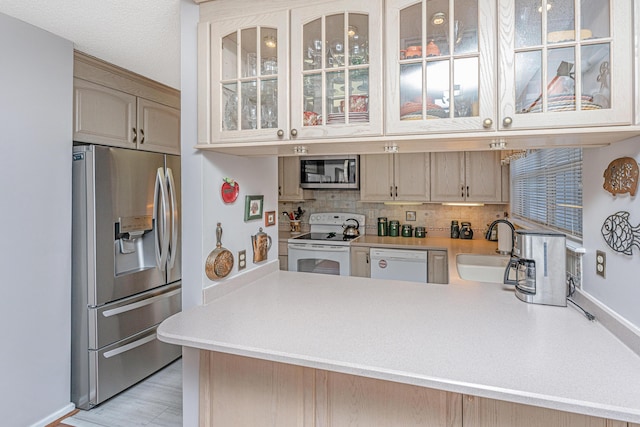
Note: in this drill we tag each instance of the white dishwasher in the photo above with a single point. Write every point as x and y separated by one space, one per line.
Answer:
398 264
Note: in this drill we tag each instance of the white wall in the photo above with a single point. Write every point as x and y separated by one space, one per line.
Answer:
620 290
142 36
35 259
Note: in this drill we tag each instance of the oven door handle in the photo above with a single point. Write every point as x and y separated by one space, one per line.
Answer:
316 248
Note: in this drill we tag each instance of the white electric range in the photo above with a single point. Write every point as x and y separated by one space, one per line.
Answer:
325 249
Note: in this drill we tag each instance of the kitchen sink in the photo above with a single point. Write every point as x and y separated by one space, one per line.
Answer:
482 267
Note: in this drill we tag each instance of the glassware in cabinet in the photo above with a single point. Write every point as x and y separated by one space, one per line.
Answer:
565 62
440 72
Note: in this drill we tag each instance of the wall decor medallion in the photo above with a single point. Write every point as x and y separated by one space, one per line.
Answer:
621 176
230 190
253 207
619 234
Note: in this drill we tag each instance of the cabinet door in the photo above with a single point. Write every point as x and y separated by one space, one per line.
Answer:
289 180
243 64
437 267
411 176
565 64
103 116
376 177
360 262
447 177
483 176
158 127
336 69
440 66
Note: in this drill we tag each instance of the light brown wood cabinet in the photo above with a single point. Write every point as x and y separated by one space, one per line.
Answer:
472 176
109 109
437 267
360 261
394 177
283 255
246 392
289 189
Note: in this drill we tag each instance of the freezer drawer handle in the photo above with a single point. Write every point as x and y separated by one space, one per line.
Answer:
139 304
130 346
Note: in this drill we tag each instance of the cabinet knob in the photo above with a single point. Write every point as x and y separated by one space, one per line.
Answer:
280 133
487 123
507 121
294 132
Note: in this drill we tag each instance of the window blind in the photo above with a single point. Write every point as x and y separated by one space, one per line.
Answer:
546 188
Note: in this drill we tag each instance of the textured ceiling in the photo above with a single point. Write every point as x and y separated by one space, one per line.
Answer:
140 35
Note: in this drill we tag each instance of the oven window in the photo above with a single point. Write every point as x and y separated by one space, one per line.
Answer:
322 266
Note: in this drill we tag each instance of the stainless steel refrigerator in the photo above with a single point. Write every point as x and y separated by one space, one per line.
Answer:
125 268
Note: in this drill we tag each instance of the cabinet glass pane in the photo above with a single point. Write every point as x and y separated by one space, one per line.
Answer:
438 28
465 87
230 106
596 78
358 36
411 91
269 103
528 81
594 15
249 52
312 43
465 27
229 56
438 92
334 32
312 99
268 51
560 21
528 23
410 32
561 88
359 96
249 108
335 98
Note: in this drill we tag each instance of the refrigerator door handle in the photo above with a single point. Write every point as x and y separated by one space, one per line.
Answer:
173 215
161 231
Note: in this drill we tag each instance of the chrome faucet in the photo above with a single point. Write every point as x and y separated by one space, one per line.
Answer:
513 231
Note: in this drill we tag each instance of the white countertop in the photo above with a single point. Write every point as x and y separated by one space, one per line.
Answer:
465 337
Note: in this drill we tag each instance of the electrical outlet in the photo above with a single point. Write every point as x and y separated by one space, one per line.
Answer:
601 263
242 259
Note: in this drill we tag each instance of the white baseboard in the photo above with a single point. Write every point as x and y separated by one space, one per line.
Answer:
56 415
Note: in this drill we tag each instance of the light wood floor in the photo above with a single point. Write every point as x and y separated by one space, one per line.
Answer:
156 401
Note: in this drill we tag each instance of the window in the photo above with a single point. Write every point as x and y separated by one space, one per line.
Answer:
546 189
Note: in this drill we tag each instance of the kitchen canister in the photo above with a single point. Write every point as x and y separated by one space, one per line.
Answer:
394 228
420 232
455 229
382 226
407 230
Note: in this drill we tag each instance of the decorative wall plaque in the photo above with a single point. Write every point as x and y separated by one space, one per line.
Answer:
621 176
619 234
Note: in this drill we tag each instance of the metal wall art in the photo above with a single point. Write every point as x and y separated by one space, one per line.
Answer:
619 234
230 190
621 176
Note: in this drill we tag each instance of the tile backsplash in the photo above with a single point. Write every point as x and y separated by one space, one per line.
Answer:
435 217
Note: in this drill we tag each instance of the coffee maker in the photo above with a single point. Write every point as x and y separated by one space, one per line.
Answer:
539 266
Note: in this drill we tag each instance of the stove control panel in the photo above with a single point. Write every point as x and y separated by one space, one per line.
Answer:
336 218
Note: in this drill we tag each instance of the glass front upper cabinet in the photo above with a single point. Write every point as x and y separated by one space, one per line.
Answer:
440 73
335 76
249 94
565 63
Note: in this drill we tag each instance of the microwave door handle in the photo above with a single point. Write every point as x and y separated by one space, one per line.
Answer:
173 215
161 232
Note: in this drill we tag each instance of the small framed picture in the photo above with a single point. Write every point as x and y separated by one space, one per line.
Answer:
410 215
269 218
253 207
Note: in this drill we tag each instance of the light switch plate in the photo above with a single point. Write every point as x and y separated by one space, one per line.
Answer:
242 259
601 263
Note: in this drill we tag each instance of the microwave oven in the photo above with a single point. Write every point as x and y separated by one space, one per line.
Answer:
325 172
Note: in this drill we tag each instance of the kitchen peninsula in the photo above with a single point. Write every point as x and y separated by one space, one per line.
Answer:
285 348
